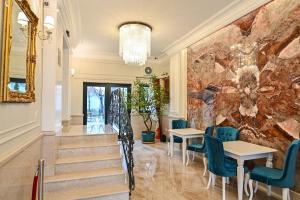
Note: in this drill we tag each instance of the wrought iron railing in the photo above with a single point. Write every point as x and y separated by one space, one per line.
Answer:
118 118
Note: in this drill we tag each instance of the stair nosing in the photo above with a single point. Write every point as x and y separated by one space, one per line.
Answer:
58 161
87 135
100 195
81 176
120 190
61 147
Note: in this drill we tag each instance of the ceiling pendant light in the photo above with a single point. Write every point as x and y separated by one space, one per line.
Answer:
135 42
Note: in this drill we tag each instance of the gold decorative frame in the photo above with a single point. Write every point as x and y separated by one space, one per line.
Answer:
5 94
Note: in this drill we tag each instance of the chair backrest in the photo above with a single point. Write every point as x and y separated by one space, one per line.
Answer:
215 150
227 133
179 123
208 131
289 168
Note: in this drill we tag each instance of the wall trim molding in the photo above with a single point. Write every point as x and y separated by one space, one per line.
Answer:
17 127
33 137
10 134
227 15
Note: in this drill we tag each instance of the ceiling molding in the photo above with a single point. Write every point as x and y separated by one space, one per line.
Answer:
227 15
114 58
70 19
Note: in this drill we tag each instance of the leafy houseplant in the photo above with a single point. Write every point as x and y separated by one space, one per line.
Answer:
150 101
141 100
160 100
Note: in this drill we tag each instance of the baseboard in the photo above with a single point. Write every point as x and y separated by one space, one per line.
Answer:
77 120
66 124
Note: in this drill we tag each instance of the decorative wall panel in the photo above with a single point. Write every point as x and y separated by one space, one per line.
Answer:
256 89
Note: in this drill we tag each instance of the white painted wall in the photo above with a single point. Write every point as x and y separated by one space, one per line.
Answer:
19 123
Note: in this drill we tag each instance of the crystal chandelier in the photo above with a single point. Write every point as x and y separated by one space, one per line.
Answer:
135 42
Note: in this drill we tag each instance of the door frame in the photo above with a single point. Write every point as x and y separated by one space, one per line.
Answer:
107 96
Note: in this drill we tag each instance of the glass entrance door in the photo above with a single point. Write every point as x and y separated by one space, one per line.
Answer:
96 100
95 113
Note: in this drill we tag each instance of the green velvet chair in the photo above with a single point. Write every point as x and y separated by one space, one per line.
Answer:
282 178
199 148
218 164
177 124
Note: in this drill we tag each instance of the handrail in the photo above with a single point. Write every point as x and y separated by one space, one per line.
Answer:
118 116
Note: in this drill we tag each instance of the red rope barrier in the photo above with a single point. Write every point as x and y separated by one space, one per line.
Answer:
34 186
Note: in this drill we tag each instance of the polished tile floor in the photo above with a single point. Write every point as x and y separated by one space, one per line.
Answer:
86 130
161 178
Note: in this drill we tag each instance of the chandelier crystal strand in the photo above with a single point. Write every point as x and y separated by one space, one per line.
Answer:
135 43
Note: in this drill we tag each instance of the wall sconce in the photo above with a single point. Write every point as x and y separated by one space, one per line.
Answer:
72 72
49 25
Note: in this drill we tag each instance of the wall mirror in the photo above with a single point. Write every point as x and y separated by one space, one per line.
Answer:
18 52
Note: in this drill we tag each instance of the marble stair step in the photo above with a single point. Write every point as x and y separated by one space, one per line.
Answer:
86 163
88 139
84 179
99 192
70 150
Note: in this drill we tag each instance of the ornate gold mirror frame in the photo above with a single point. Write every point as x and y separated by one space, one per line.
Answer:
5 94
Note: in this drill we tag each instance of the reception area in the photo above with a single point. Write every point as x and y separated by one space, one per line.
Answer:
149 100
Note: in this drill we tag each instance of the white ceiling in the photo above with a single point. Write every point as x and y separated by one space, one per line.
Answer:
170 19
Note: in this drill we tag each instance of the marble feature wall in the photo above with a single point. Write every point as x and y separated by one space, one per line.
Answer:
262 99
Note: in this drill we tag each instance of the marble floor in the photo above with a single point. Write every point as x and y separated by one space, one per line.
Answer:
86 130
161 178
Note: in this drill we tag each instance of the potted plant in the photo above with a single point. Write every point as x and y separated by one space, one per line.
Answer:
141 101
160 100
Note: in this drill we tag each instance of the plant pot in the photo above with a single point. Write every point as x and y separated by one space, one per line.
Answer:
148 137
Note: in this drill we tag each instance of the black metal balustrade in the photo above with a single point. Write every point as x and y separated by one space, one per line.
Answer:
118 118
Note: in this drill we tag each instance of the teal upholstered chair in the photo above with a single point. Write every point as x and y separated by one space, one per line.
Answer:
218 164
177 124
199 148
227 133
283 178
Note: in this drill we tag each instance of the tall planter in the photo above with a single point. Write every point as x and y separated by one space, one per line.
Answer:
148 137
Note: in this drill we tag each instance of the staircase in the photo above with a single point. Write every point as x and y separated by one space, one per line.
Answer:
88 167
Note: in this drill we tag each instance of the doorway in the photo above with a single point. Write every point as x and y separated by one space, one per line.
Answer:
96 100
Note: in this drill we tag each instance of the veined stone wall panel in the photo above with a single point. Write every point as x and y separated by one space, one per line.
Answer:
263 100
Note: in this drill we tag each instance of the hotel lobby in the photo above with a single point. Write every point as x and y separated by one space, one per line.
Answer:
149 100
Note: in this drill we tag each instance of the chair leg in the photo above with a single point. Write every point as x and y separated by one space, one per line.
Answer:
251 189
285 193
169 152
247 177
289 196
209 180
205 165
227 180
193 156
188 157
213 179
269 190
224 187
256 186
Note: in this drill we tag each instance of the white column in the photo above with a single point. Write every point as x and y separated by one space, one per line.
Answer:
49 92
178 85
66 84
49 74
